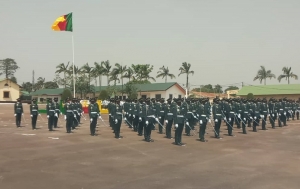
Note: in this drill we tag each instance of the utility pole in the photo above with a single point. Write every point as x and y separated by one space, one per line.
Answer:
242 84
32 80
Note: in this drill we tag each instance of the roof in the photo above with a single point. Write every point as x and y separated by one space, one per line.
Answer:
147 87
10 81
209 95
284 89
58 91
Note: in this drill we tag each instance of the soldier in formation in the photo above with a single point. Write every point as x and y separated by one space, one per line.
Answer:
34 112
18 109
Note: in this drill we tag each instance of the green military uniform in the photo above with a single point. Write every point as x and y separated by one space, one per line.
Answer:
179 120
56 113
50 114
117 114
69 115
217 115
264 113
34 108
94 112
18 109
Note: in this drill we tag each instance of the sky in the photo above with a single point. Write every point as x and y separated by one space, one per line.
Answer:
225 42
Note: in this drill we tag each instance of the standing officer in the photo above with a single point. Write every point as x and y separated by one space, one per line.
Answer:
93 114
264 113
169 116
202 119
297 109
126 110
244 115
142 116
217 115
18 112
56 113
280 112
272 112
79 110
189 117
34 113
150 120
179 119
69 115
117 115
50 114
135 116
230 117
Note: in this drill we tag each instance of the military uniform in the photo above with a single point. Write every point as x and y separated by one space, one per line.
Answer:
135 116
179 120
117 114
18 109
69 115
142 117
264 114
190 117
169 116
56 113
244 116
50 114
160 109
217 115
272 112
34 108
150 120
94 112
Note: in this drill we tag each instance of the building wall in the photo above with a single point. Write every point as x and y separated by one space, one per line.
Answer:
45 97
13 89
174 91
294 97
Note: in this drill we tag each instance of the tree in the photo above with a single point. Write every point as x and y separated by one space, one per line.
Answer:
142 72
131 91
129 74
106 69
87 70
114 77
66 94
120 70
62 68
50 85
165 73
263 74
8 67
218 89
231 88
27 86
98 72
185 69
39 84
287 74
250 96
103 95
13 79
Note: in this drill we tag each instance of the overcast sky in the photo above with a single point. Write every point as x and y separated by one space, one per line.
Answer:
224 40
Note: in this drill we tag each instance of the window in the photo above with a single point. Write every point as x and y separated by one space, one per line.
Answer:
6 94
158 96
41 99
144 96
170 96
179 96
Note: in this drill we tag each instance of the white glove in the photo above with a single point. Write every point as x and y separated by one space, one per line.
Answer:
225 118
283 113
216 120
15 115
116 121
74 115
166 121
239 116
159 117
126 113
279 114
31 115
129 115
125 119
91 120
56 115
39 114
47 116
156 119
244 119
273 115
147 122
201 121
65 117
22 114
197 115
133 116
262 116
176 126
100 117
187 123
251 117
268 114
209 120
255 117
109 114
229 119
60 113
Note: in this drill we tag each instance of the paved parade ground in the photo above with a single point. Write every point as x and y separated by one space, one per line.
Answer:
41 159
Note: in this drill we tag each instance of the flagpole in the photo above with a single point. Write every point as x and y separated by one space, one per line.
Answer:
73 65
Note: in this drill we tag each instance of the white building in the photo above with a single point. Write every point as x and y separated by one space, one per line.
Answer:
9 91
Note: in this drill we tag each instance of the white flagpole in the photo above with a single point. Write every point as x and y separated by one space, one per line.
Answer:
73 65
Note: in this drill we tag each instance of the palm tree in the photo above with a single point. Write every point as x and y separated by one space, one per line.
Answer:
106 69
165 73
114 77
62 68
287 74
129 73
98 72
119 70
263 74
87 70
185 69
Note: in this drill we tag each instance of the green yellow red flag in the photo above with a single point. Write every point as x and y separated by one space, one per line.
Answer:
63 23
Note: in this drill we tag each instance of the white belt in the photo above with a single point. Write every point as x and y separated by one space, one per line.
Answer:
170 113
119 113
161 111
151 116
69 111
218 114
56 109
34 110
203 115
75 110
94 112
51 110
231 112
280 109
189 112
245 112
179 115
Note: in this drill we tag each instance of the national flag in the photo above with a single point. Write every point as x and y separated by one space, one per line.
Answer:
63 23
